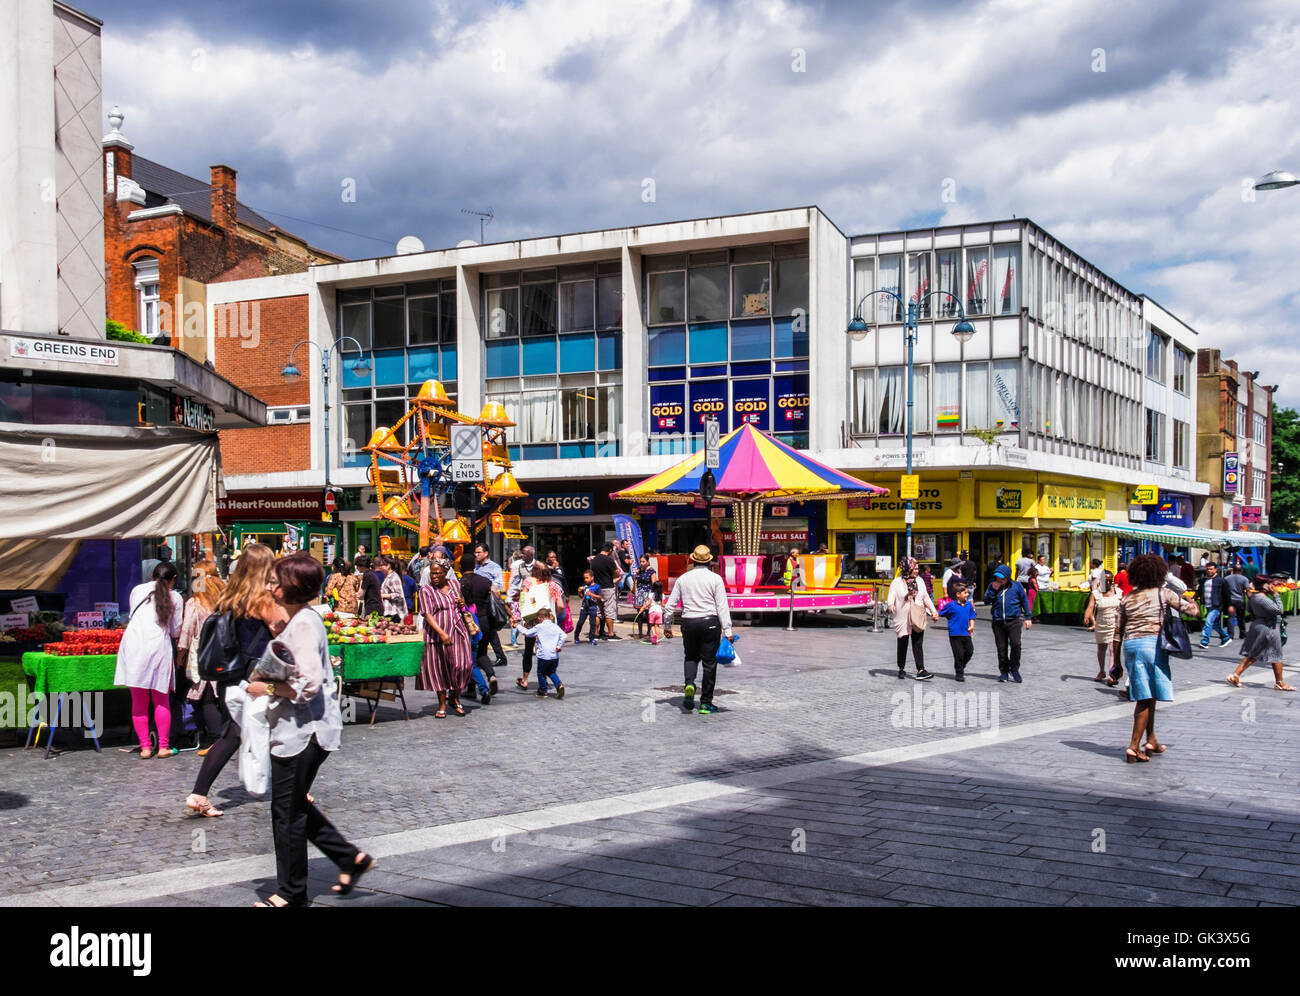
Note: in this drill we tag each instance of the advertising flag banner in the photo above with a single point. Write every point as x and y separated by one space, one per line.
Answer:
628 528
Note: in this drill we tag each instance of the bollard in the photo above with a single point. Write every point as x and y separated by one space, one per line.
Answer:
789 625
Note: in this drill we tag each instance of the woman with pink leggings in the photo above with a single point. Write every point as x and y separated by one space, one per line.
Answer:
144 659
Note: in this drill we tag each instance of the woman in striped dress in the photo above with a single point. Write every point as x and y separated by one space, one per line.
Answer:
448 659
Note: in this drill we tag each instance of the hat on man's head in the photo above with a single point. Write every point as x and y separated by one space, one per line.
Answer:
1002 572
701 554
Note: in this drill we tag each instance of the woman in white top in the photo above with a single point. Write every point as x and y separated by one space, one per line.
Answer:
905 593
145 658
305 729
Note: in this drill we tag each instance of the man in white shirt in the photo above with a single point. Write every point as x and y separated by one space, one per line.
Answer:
706 616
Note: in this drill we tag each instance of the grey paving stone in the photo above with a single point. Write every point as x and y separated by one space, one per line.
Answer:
1033 890
622 885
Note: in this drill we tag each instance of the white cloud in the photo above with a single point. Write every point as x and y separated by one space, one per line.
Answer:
1138 168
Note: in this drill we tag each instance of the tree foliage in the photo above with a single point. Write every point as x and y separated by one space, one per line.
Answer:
1285 511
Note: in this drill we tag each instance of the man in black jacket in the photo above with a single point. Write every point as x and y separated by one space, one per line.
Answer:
1214 596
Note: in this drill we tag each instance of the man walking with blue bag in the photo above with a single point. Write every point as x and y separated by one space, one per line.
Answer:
1010 616
706 617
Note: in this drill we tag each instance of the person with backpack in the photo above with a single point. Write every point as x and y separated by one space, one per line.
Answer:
232 639
144 659
207 586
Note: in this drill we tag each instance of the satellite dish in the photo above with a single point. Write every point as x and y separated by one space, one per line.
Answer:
465 243
408 244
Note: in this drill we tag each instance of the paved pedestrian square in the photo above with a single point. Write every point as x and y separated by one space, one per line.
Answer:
823 780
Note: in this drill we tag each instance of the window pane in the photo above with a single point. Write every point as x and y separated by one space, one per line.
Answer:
918 282
891 412
1006 394
864 282
609 292
977 396
447 316
537 309
609 418
577 353
1006 279
667 347
536 418
356 323
791 286
750 341
503 314
947 397
707 299
977 281
578 306
390 323
864 411
750 288
890 279
578 413
422 319
708 343
949 274
357 427
666 298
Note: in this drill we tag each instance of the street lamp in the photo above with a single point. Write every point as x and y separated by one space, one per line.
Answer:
360 366
858 329
1276 180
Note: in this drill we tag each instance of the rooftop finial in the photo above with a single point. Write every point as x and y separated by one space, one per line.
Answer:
115 136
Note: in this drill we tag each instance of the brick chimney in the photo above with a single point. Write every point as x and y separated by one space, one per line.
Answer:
224 205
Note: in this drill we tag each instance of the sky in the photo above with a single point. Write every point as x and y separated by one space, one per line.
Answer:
1131 132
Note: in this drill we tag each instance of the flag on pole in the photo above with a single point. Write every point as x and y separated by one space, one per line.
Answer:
627 528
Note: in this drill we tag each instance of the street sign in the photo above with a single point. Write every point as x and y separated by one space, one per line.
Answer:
1145 494
909 515
712 436
466 453
331 503
1231 467
910 487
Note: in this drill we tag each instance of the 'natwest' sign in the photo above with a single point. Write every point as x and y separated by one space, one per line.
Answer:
254 505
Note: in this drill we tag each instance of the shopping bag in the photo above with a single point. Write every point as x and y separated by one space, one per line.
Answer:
726 651
533 601
1174 639
255 746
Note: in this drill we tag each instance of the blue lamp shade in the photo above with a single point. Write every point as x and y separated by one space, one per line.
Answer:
290 372
858 329
360 366
963 331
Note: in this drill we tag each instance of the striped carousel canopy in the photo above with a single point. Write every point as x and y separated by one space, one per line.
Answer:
751 464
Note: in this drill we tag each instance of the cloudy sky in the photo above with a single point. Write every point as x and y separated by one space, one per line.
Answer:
1130 131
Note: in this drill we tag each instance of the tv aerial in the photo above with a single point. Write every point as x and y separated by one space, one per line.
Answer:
483 218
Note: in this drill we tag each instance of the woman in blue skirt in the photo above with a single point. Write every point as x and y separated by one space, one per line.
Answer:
1141 614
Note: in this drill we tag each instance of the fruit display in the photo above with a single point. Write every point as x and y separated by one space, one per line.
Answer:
86 642
355 629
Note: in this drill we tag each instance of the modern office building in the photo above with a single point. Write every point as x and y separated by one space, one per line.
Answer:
609 349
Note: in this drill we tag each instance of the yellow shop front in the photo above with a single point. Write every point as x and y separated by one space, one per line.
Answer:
993 514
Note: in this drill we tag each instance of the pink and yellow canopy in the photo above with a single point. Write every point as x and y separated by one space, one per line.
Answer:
751 465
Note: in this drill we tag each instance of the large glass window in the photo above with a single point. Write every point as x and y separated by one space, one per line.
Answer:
1182 370
890 278
948 267
864 282
389 318
609 299
791 292
977 281
1156 356
1006 279
146 285
707 287
667 298
422 320
918 282
751 290
1261 428
1155 432
1181 437
977 396
503 313
1006 394
864 402
578 306
947 397
354 307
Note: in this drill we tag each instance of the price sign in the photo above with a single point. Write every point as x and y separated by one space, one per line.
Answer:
27 604
111 610
13 620
466 454
90 620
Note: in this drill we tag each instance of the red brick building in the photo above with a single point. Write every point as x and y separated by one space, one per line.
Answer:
167 236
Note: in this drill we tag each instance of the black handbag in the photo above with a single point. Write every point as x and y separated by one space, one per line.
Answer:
1174 638
500 614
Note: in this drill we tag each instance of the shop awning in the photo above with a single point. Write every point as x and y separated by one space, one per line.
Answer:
1181 536
74 482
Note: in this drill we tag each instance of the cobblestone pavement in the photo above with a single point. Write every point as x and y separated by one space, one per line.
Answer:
823 780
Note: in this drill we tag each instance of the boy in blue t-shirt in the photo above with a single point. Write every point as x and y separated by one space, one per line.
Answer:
961 627
593 607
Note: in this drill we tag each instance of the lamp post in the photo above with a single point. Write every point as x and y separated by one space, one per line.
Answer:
1275 180
859 329
291 373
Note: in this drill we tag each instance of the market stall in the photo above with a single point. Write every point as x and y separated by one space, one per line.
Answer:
373 660
84 661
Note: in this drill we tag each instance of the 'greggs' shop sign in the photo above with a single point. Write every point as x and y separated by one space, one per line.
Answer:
1072 503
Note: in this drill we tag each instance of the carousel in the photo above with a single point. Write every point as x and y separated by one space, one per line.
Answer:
753 470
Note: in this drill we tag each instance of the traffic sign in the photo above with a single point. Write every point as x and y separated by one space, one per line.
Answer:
466 453
910 487
331 503
712 436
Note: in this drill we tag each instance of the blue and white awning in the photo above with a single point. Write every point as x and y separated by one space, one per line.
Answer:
1180 536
